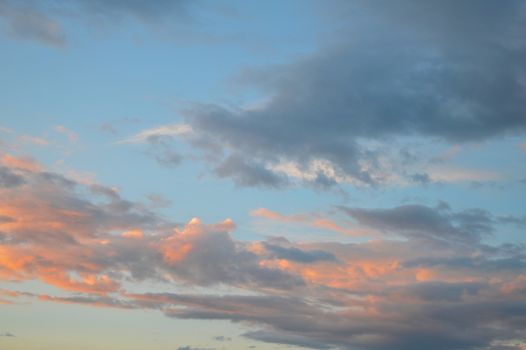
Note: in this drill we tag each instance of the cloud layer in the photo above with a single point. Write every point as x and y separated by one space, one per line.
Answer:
427 280
453 74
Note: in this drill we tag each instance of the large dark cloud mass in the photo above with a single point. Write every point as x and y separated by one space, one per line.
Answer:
445 70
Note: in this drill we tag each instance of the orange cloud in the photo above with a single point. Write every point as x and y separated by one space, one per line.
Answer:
177 246
20 163
86 283
136 233
311 220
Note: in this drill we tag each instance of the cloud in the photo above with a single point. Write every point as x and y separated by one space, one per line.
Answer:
160 141
312 220
7 334
8 178
41 21
71 135
19 163
25 22
440 287
422 221
33 140
141 9
156 134
81 237
298 255
394 72
247 173
222 338
280 338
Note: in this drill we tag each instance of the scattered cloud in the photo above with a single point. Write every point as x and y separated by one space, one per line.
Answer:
42 21
441 281
26 22
71 135
317 221
32 140
156 134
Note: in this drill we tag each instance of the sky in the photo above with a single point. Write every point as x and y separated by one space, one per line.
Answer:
205 175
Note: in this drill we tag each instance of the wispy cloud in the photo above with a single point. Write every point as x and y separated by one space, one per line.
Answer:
317 221
71 135
156 134
27 22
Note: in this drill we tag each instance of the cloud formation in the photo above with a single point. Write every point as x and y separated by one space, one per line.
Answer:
41 20
419 220
26 22
428 280
382 79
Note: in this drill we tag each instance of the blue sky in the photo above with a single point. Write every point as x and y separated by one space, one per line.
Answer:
238 174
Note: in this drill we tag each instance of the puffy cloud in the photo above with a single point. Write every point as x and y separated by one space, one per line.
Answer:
395 71
87 238
439 287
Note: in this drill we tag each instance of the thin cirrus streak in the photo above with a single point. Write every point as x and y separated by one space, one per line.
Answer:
309 220
428 270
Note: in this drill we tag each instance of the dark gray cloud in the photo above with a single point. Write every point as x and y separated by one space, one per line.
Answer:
248 173
421 221
443 291
164 152
27 22
447 70
299 255
5 218
513 220
10 179
232 265
420 178
437 324
508 264
286 339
